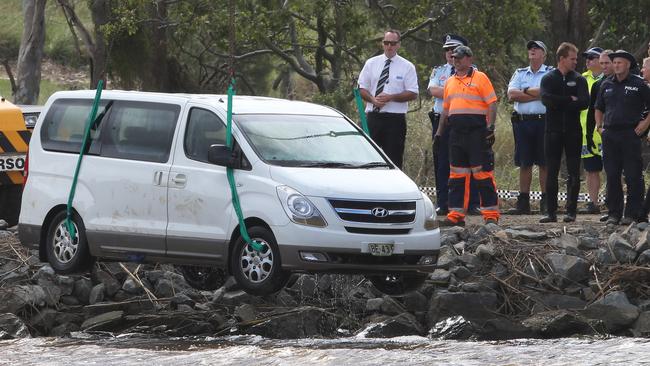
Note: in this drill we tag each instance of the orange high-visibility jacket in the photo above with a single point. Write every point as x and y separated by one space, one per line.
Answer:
470 94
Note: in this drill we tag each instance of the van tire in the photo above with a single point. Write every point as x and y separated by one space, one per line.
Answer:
203 277
63 258
246 264
398 283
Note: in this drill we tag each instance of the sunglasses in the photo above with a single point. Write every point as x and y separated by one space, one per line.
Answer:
391 43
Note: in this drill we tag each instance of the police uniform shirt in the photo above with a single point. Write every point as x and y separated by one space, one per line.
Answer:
439 76
401 77
525 78
623 102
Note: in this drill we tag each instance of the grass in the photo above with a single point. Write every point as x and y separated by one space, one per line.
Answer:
47 88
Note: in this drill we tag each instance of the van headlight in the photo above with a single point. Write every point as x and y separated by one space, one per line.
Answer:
299 208
430 222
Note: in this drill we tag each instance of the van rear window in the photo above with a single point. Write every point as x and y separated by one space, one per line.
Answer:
64 125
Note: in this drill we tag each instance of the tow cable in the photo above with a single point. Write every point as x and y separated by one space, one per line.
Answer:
362 112
84 143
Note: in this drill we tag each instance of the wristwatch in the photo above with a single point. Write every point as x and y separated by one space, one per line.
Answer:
526 90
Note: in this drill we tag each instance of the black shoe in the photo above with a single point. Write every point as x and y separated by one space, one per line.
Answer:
523 205
604 218
611 220
548 218
569 217
448 223
441 211
590 209
474 211
626 221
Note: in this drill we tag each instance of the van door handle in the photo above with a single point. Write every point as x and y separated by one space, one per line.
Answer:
179 180
157 178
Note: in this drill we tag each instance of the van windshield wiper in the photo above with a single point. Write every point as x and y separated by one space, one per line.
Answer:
374 164
100 117
325 164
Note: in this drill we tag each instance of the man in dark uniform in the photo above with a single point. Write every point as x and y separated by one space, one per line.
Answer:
621 101
564 93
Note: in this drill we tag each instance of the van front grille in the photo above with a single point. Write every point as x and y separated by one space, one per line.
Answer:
381 212
374 231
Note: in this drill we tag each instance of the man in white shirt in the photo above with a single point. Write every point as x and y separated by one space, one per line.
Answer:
387 83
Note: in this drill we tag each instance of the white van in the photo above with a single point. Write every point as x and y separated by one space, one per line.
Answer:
315 190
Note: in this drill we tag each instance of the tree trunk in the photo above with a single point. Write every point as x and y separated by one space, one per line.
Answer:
99 54
30 55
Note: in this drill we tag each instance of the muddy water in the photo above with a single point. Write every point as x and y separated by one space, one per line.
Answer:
83 349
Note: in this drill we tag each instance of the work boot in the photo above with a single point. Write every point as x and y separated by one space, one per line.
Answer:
543 208
448 223
626 220
491 221
612 220
548 218
569 217
590 209
604 218
523 205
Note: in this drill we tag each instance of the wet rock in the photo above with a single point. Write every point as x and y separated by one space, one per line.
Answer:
399 325
502 328
568 241
132 287
469 259
82 289
64 329
181 299
460 272
47 279
245 313
641 327
105 321
324 282
16 298
588 243
644 257
558 323
571 268
455 327
96 294
453 235
302 322
69 300
474 306
614 310
472 287
374 305
447 257
12 327
460 247
390 306
485 251
440 276
239 297
623 251
164 288
547 302
283 298
415 302
66 284
305 286
642 243
44 320
526 234
605 256
111 286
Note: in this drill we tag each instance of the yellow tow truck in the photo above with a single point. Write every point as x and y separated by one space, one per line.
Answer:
14 140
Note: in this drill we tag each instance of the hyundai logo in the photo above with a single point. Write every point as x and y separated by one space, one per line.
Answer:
379 212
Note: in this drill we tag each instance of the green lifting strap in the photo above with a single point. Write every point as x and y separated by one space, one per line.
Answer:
362 112
84 144
231 176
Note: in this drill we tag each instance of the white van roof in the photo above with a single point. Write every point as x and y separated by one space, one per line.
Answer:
243 104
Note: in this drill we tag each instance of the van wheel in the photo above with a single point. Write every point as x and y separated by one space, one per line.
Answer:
258 273
398 283
67 255
203 277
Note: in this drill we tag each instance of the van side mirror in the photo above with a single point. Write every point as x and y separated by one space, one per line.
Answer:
221 155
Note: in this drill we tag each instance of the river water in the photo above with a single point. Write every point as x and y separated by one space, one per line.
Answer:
133 349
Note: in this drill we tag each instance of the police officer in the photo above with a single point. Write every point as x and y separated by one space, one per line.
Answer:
591 141
564 93
528 122
621 101
469 107
436 86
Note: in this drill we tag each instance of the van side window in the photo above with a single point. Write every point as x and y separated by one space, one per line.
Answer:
65 123
204 128
140 131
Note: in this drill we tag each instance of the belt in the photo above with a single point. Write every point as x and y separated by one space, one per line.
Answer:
619 127
531 117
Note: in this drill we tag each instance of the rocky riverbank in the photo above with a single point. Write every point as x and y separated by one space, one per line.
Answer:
493 283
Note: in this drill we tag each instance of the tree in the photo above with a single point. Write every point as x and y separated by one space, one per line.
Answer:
30 55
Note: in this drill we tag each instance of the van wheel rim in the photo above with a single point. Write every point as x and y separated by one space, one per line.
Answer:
256 266
65 248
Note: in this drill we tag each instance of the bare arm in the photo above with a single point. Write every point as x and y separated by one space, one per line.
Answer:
437 91
598 115
515 95
404 96
442 124
492 115
368 97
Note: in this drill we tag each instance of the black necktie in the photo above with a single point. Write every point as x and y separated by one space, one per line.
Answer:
383 78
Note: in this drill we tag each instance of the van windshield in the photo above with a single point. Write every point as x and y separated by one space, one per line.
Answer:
309 141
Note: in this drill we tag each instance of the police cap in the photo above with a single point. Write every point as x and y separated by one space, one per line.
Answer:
453 41
536 44
592 52
624 54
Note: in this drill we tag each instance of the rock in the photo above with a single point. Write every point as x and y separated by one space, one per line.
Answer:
103 321
502 328
572 269
623 251
470 259
642 226
82 289
14 299
305 286
183 308
283 298
460 247
549 302
605 256
644 257
390 306
180 299
302 322
66 284
526 234
239 297
460 272
111 286
588 243
485 251
415 302
558 323
46 278
64 330
374 305
231 284
324 282
642 243
12 327
245 313
568 241
448 240
440 276
69 300
164 288
471 287
399 325
447 257
473 306
614 310
455 327
44 320
131 287
3 225
96 294
500 271
641 327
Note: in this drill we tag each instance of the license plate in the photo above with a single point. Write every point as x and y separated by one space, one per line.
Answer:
10 163
381 250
